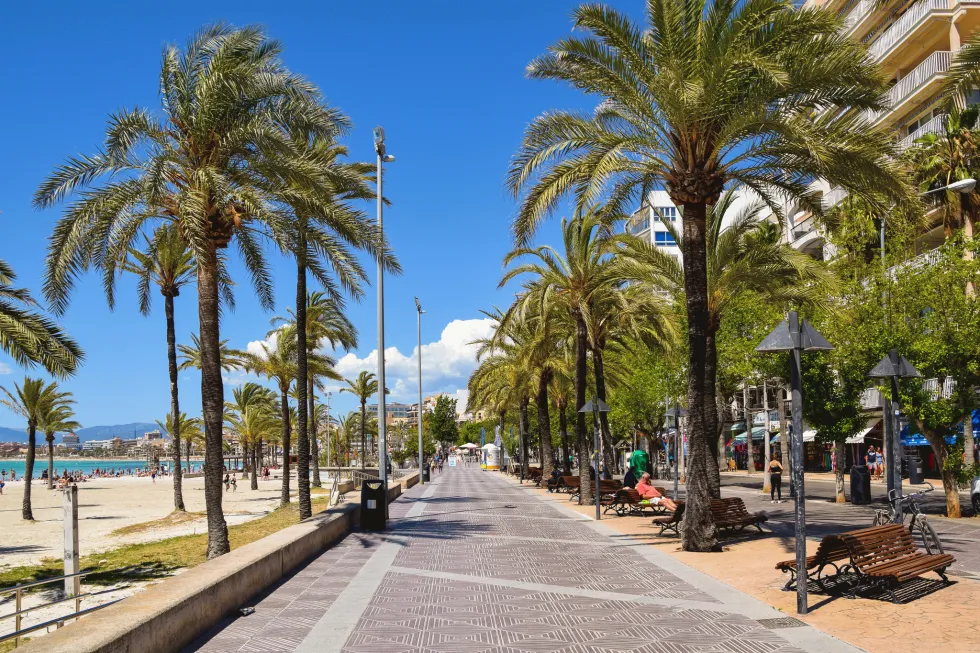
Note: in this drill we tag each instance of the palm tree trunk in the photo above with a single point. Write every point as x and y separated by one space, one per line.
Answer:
524 426
544 425
302 377
29 473
212 401
715 439
256 461
698 531
563 434
314 443
363 426
284 411
581 370
49 437
609 453
168 302
747 416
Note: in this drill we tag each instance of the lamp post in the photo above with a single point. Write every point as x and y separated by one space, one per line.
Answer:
595 407
677 412
383 157
796 336
894 367
418 308
329 394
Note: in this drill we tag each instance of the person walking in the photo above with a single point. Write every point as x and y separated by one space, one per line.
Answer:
775 481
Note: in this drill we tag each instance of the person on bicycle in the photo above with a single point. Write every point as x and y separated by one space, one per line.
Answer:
775 480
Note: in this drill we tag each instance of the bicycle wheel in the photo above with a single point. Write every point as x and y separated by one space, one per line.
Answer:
930 539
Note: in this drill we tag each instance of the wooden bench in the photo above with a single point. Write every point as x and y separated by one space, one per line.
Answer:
670 521
571 485
832 550
627 501
730 515
885 556
534 475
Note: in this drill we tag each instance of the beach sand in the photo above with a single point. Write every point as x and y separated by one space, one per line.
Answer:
106 505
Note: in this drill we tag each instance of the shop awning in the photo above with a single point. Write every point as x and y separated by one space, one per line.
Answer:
910 439
809 435
859 438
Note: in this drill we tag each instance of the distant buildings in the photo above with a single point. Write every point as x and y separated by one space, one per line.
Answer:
71 441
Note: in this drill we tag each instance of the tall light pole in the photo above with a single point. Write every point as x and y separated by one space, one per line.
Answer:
418 307
383 157
329 394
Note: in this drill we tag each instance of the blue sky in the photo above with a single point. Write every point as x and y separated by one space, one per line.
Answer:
445 79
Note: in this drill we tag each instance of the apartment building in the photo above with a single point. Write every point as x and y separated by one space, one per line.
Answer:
651 219
914 42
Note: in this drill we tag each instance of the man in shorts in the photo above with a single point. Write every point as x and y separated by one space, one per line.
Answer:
651 494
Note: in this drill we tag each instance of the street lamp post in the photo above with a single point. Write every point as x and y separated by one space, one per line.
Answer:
418 308
894 367
328 428
383 157
796 336
595 407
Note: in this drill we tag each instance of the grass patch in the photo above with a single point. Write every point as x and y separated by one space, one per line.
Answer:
173 519
150 560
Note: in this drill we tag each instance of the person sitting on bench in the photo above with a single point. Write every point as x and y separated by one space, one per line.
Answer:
650 493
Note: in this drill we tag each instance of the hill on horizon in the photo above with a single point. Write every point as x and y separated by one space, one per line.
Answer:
124 431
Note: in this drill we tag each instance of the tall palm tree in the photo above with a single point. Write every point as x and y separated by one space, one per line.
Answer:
252 415
363 387
708 93
277 364
56 416
208 163
190 355
190 429
165 262
347 428
30 338
31 401
325 323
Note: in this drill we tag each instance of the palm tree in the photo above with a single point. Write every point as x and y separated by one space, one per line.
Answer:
56 416
347 428
190 430
190 355
167 263
363 387
705 95
31 402
30 338
252 415
277 364
208 164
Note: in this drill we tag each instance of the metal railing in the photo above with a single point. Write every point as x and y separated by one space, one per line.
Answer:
905 24
19 610
803 228
925 259
935 64
834 197
857 14
939 388
935 126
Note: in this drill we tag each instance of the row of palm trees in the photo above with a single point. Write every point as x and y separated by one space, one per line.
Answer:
243 151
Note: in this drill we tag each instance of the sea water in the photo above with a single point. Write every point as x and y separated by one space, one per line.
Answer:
86 465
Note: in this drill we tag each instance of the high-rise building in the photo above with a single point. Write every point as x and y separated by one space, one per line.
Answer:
651 219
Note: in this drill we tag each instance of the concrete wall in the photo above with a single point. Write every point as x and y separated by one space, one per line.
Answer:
169 615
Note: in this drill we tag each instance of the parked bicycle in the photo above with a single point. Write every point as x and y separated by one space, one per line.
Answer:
919 525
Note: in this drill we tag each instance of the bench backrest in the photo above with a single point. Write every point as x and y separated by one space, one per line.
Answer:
609 486
630 494
870 546
832 547
730 509
570 481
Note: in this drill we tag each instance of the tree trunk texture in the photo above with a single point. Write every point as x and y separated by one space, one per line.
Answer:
747 416
563 434
256 463
715 438
950 486
212 401
302 377
698 532
586 496
26 512
544 426
168 302
969 443
524 427
284 413
363 424
839 459
314 442
49 438
609 457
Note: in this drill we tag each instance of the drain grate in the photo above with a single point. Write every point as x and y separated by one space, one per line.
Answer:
781 622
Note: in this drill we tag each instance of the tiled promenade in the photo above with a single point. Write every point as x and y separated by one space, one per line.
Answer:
474 562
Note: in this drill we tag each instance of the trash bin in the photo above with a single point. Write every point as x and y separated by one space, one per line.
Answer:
860 485
373 505
916 477
425 473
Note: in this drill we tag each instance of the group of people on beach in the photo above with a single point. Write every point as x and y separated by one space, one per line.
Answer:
78 476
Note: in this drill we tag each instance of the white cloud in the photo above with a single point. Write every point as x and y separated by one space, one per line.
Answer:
5 369
446 363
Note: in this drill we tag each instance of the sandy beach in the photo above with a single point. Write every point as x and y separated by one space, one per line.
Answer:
106 505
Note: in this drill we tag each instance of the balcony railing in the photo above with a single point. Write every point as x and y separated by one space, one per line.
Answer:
871 399
923 260
803 228
834 197
861 9
935 64
905 24
934 126
939 388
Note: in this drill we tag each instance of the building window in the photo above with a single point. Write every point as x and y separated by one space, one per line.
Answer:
664 238
640 224
665 213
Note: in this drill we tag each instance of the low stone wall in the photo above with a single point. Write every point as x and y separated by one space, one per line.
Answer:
170 615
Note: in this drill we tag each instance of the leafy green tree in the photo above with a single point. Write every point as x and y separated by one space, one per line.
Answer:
29 337
210 163
442 425
705 96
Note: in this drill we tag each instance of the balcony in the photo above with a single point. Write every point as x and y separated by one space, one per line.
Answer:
935 126
908 22
871 399
933 68
805 237
939 388
832 198
923 260
861 12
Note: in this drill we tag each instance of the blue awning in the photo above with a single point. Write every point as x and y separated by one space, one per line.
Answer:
916 439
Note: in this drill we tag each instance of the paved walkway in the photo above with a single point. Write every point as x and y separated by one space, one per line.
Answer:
474 562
